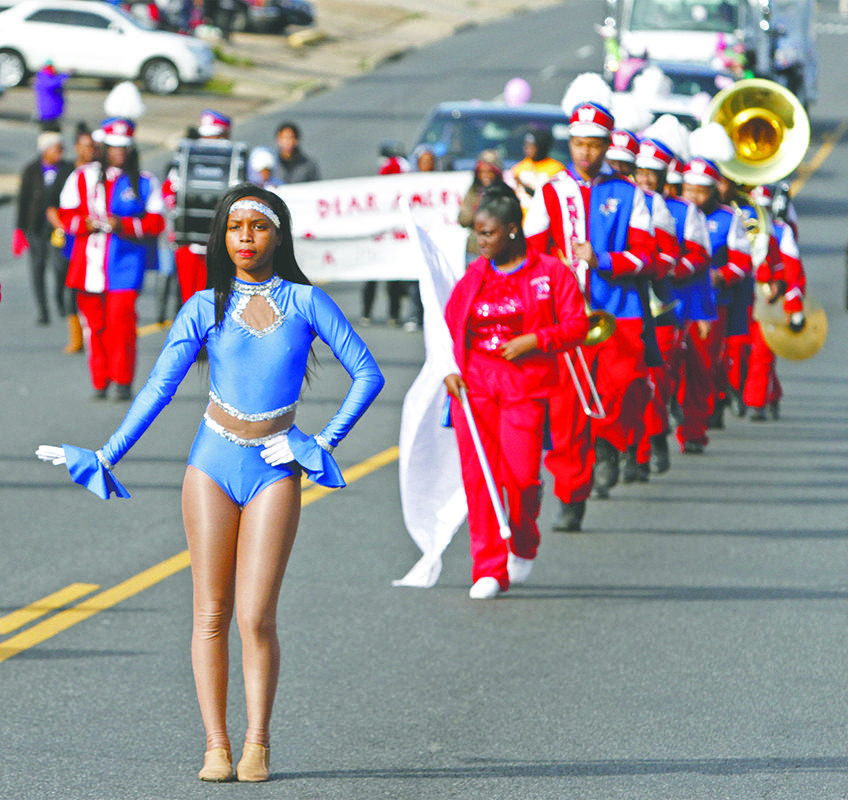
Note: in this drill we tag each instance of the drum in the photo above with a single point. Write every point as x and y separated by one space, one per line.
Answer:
206 169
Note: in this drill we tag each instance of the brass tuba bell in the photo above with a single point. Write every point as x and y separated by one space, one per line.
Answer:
768 126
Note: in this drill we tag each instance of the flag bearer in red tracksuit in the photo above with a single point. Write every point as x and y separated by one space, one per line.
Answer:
114 211
691 246
786 283
731 264
508 316
600 225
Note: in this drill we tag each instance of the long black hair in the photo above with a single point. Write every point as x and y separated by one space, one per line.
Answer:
131 168
220 269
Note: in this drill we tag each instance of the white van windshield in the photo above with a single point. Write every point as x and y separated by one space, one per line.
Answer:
717 16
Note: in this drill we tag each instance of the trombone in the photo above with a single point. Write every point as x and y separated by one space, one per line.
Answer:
601 327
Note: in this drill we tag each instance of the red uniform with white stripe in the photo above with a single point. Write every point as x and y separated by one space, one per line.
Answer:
611 214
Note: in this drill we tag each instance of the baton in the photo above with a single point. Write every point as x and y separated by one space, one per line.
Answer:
484 465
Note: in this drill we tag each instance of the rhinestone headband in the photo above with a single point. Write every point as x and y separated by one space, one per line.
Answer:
255 205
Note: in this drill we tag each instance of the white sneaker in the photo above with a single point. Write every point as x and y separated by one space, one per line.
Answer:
518 568
484 589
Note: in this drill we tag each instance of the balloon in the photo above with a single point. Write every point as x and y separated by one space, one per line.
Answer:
516 92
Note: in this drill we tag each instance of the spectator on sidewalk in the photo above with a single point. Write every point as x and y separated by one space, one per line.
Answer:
295 165
32 228
49 89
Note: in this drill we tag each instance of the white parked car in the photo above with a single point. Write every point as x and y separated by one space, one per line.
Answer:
97 39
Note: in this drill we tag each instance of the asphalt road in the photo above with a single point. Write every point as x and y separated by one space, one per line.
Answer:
690 644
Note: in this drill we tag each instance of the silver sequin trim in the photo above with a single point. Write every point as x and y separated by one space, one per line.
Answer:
234 412
257 288
241 304
255 205
231 437
323 443
103 461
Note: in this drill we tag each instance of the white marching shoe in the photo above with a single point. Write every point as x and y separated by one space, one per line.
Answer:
518 568
485 588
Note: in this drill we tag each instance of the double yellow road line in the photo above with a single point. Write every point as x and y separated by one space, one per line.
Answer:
69 617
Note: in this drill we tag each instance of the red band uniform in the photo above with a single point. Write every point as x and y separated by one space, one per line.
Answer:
107 265
611 214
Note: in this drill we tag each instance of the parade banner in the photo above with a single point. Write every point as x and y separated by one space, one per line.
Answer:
354 230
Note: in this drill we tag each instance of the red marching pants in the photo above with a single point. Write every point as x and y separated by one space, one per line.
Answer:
664 380
761 386
109 327
697 381
571 458
511 428
191 271
621 377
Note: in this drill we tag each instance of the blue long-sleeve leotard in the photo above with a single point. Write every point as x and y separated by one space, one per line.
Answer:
258 374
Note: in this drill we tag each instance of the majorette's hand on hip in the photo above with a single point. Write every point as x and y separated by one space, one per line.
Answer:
49 452
278 451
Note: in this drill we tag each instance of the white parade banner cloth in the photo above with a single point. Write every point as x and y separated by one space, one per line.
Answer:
431 490
354 229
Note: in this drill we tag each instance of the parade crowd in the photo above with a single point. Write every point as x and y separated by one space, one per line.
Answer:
662 249
606 312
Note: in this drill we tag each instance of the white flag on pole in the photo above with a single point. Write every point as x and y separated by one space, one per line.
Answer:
431 490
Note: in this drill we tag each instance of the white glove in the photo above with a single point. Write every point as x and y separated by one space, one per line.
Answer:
49 452
278 451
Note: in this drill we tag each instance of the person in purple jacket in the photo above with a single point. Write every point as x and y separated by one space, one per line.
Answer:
49 88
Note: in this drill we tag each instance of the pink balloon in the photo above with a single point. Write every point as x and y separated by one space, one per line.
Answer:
516 92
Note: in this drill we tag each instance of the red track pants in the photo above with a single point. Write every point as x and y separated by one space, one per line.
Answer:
511 428
109 328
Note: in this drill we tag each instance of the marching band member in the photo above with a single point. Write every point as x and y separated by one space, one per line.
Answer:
731 264
621 155
737 346
191 258
786 283
114 211
673 249
600 225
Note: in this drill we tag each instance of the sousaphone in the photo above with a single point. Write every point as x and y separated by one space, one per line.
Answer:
768 126
770 131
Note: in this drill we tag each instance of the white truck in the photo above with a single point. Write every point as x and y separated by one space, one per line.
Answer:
772 39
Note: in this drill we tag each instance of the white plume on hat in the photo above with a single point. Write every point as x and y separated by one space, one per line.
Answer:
124 101
588 87
669 130
711 141
630 112
651 83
